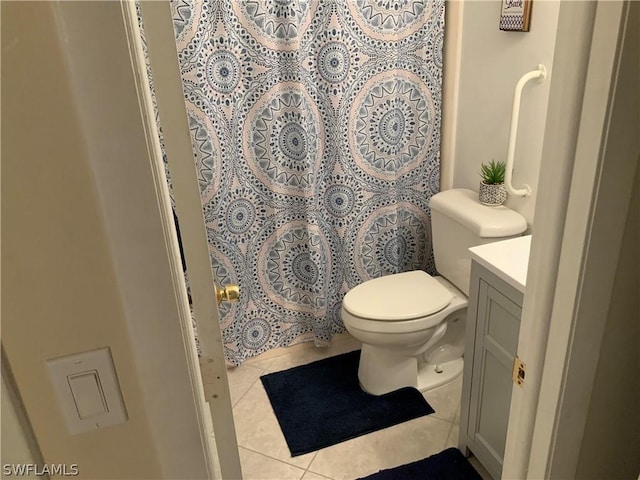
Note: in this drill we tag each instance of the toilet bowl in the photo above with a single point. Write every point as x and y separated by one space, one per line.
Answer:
412 324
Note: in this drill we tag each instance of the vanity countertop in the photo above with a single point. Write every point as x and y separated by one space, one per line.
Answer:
508 259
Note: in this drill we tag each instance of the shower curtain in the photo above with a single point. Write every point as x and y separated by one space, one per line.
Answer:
316 134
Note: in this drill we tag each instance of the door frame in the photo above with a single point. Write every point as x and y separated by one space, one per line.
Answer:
108 78
98 40
208 372
606 161
529 452
576 242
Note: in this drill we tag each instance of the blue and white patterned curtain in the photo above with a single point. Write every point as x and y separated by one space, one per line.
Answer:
316 133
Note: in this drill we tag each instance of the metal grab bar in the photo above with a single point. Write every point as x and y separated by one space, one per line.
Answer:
540 73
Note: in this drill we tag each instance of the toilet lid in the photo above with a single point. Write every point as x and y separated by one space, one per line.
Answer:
403 296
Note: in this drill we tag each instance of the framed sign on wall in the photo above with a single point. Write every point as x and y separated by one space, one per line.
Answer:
515 15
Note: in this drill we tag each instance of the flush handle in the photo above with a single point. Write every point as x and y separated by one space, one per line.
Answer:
228 293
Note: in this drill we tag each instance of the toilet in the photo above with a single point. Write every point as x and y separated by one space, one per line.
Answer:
412 325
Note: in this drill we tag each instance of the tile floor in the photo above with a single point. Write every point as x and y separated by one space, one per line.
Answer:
263 450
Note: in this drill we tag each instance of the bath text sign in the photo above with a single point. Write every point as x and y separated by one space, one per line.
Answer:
515 15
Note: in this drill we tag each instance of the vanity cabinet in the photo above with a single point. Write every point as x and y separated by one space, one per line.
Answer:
493 325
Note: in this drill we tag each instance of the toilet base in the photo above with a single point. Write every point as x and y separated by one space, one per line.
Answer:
432 376
382 370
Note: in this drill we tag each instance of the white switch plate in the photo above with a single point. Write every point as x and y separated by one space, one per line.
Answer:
87 389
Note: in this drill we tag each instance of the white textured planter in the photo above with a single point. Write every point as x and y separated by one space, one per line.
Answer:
492 194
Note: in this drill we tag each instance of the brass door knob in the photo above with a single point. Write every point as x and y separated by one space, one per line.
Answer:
228 293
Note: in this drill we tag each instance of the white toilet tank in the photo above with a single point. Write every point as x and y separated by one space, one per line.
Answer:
459 221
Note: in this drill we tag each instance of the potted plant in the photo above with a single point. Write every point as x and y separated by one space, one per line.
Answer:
492 190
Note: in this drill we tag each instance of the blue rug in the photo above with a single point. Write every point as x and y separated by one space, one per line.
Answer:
321 404
449 464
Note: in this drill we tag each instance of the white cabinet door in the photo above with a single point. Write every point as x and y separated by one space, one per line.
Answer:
492 339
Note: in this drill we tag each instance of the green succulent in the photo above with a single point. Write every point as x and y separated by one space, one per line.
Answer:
493 172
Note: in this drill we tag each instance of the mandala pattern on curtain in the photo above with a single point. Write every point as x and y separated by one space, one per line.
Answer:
316 134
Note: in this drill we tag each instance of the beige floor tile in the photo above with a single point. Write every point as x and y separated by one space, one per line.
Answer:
307 355
314 476
256 466
456 419
257 428
397 445
241 379
277 352
445 400
452 439
264 452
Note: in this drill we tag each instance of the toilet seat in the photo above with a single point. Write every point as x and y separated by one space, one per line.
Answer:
396 298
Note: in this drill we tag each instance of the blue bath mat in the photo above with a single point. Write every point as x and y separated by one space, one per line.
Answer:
321 404
449 464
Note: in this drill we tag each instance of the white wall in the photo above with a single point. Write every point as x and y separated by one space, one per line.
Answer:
85 257
490 64
123 177
18 444
59 291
